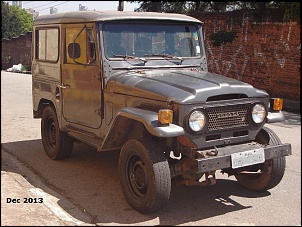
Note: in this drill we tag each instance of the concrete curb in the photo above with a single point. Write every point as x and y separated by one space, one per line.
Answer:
15 186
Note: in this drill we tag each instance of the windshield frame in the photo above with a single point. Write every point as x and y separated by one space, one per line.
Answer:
191 30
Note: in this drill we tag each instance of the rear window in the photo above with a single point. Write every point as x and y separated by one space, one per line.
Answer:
47 44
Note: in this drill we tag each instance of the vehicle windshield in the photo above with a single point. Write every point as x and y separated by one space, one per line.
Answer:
151 41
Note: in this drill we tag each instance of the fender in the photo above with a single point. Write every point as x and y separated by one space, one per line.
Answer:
150 121
122 124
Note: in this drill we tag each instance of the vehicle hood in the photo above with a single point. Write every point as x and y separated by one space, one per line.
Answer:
181 86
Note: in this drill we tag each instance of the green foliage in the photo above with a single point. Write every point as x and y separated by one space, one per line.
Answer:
222 37
182 7
162 6
15 21
261 11
292 11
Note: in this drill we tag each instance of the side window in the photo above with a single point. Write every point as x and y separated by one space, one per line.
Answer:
47 44
91 52
85 39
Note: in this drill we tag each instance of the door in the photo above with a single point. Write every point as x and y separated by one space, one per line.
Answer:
81 84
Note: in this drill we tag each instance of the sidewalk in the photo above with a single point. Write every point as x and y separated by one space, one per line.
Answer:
15 189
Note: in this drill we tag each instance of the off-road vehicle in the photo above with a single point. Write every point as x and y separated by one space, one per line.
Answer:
139 83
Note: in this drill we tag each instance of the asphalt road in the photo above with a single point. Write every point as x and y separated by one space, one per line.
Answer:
89 179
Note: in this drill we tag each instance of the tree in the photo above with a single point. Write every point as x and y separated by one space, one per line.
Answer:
161 6
292 11
184 7
260 10
15 21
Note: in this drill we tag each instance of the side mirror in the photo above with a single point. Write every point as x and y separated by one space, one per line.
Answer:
74 50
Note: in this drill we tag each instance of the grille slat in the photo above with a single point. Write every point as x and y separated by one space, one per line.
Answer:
226 117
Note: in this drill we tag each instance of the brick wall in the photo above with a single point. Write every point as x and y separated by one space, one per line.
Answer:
266 55
15 51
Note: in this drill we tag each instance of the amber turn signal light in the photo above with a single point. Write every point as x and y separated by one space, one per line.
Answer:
277 103
165 116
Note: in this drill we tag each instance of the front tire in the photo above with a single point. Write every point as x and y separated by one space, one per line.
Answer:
271 171
144 175
57 144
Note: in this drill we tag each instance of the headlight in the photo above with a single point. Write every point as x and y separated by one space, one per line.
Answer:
197 121
258 113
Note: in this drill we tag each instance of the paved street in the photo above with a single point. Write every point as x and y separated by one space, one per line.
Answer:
85 190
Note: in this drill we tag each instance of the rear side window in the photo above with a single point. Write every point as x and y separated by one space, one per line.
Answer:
47 44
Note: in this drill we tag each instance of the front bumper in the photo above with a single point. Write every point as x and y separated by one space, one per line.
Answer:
273 117
223 159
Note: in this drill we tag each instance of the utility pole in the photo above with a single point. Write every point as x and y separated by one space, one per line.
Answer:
120 6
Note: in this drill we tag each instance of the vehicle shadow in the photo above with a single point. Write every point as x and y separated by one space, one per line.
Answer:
89 179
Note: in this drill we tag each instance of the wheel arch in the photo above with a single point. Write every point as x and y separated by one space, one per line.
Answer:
134 123
43 103
266 136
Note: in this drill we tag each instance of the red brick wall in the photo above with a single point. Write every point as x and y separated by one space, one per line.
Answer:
266 55
15 51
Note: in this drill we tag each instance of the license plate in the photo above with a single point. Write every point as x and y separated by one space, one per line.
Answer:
247 158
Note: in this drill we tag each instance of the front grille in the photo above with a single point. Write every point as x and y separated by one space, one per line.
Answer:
226 117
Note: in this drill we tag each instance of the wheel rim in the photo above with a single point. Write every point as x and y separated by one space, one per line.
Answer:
136 176
51 133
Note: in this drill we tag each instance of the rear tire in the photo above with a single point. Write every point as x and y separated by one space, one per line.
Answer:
272 171
57 144
144 175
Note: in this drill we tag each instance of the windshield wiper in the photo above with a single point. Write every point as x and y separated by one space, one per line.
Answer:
129 57
165 56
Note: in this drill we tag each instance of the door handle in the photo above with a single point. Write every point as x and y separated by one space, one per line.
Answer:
64 85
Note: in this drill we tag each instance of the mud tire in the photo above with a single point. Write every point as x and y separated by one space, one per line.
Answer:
144 175
57 144
267 179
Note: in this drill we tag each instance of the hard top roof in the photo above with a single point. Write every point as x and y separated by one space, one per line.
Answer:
92 16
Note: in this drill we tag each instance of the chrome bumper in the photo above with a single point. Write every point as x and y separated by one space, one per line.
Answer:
275 117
